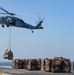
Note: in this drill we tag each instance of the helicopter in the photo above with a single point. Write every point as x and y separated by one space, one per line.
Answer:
11 20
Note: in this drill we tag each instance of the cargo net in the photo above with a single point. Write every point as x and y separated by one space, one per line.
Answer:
55 65
60 64
8 53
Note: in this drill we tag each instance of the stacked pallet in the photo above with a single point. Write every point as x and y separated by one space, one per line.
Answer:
60 64
17 64
28 64
14 64
24 63
42 64
47 65
66 66
56 64
31 64
38 64
8 55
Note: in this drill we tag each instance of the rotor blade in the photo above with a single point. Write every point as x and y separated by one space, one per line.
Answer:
7 11
4 13
4 10
40 19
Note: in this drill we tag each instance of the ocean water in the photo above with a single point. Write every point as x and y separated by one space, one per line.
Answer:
5 63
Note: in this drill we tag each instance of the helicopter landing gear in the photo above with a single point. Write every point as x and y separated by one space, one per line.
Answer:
3 26
32 31
7 25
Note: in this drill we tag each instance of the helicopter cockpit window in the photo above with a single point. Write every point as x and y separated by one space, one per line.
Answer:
22 21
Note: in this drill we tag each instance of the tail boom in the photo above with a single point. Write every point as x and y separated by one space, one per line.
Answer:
38 26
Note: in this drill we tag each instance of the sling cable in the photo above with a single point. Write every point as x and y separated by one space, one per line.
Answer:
8 53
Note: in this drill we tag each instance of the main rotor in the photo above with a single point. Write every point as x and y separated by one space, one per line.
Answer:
6 12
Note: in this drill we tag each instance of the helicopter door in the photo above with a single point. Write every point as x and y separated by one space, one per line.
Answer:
9 20
19 23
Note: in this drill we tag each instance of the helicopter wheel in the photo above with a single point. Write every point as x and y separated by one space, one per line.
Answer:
7 25
32 31
3 26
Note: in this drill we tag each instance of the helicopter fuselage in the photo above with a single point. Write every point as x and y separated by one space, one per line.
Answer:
14 21
10 20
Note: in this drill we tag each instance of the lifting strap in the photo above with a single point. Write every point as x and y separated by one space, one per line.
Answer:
9 44
8 53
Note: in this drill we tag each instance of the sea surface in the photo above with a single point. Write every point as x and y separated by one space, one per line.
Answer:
5 63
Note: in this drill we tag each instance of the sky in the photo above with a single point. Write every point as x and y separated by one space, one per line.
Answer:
57 37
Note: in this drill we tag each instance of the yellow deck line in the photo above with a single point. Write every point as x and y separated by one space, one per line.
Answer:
2 73
5 74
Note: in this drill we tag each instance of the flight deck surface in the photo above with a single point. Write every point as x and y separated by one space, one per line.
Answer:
7 70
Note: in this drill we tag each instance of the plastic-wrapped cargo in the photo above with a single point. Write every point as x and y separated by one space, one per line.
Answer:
24 63
29 67
56 68
47 62
31 64
38 64
8 55
66 65
57 64
42 64
34 64
28 64
17 64
47 65
5 56
14 63
60 64
58 58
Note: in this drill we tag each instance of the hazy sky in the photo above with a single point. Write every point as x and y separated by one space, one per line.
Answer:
57 37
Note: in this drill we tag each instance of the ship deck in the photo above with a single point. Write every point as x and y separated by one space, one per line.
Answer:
7 70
